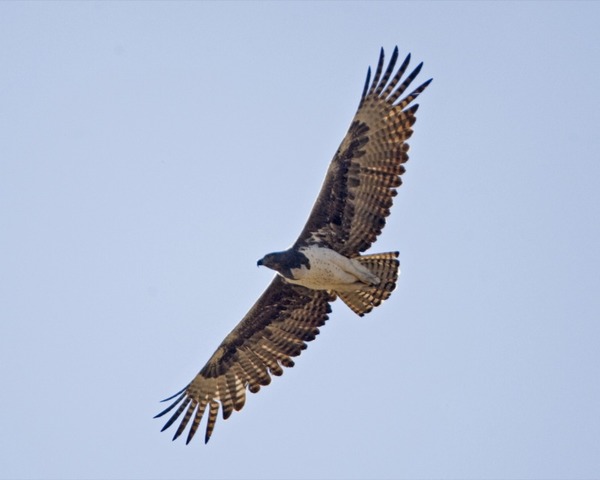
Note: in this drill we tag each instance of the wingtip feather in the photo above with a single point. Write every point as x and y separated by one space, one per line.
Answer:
175 394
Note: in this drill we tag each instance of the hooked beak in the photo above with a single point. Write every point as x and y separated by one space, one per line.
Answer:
259 263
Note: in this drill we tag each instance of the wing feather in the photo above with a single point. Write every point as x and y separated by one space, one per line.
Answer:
275 329
362 179
186 418
378 71
388 72
397 76
197 417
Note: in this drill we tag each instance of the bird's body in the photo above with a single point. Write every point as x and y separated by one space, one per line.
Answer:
327 260
321 268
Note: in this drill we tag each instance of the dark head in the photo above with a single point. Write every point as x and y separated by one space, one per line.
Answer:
270 260
283 262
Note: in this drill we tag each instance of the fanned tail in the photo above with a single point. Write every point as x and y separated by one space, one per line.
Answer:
387 267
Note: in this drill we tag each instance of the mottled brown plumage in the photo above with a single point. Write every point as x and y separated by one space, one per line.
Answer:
347 217
277 328
361 181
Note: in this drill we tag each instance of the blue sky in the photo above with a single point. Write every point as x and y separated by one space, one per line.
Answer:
150 153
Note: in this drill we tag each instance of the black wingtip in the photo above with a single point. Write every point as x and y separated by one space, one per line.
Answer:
169 408
174 395
422 87
165 411
417 69
366 87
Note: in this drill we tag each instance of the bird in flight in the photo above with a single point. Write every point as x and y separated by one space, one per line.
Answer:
324 263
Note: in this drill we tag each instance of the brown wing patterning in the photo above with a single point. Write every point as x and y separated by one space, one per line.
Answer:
361 181
273 331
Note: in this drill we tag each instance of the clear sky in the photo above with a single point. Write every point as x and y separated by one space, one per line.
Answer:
151 152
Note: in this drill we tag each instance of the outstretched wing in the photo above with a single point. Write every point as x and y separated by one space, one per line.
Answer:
361 181
274 330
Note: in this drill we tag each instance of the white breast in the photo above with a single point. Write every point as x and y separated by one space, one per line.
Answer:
331 271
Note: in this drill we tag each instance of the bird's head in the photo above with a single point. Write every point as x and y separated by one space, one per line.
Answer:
284 262
272 261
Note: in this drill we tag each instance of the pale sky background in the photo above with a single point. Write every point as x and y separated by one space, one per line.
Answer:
150 153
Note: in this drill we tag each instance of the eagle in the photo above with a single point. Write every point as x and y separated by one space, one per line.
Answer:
324 263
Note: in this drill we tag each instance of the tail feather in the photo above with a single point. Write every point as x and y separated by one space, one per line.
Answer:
387 267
